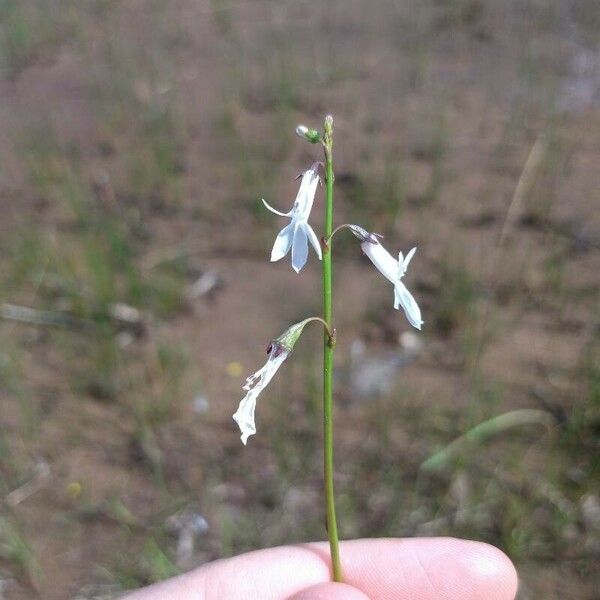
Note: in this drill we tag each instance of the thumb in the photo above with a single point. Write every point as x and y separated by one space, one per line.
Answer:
330 591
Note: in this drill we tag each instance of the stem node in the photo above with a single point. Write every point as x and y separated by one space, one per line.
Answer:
333 338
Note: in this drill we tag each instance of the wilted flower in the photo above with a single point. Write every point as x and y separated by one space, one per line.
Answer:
278 351
298 232
393 270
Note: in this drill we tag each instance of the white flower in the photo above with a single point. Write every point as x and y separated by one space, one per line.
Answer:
255 384
393 270
278 351
298 232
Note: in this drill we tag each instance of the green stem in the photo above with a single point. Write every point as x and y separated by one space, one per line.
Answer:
328 332
329 345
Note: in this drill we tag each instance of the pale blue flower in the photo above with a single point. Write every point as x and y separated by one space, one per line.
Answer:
393 270
297 234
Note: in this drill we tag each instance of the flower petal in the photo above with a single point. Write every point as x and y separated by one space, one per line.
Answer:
403 298
269 207
403 262
244 415
283 242
306 194
299 248
382 259
314 240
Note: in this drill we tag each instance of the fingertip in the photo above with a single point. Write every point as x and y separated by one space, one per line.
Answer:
426 568
490 569
330 591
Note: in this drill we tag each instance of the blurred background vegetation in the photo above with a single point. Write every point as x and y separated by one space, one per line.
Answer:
136 140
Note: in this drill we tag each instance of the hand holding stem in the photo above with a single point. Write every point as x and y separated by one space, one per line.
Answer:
295 237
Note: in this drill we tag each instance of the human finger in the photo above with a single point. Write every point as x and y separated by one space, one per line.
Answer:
383 569
330 591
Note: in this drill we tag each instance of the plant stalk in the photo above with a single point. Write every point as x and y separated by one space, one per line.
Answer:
329 344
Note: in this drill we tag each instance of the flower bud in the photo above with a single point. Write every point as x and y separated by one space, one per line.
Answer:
311 135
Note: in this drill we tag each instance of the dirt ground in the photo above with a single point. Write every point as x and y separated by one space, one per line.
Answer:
136 140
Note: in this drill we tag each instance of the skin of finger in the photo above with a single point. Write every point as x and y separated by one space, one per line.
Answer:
431 569
383 569
330 591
